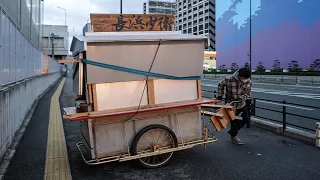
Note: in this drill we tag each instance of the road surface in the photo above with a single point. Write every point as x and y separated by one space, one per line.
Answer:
265 155
304 95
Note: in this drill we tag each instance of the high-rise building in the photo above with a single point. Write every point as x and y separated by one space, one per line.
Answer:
197 17
159 7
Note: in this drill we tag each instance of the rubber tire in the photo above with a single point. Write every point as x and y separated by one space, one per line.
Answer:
144 130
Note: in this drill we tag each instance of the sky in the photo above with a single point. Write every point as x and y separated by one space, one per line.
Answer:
78 11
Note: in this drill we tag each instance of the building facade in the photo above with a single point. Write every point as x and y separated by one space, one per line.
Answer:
60 40
159 7
197 17
284 33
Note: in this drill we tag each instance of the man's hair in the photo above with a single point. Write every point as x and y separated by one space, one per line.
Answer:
244 72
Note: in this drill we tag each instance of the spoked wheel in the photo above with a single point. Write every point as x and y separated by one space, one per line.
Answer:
151 139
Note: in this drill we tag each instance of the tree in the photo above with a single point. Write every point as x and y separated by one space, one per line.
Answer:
276 65
246 65
315 66
234 66
294 65
223 66
260 67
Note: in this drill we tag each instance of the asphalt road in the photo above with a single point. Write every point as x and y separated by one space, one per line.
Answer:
265 155
298 94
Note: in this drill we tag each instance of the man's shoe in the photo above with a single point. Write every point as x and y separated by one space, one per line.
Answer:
235 140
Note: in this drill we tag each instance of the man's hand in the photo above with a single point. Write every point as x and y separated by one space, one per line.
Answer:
219 98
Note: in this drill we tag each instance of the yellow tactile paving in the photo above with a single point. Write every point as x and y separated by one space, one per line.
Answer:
57 163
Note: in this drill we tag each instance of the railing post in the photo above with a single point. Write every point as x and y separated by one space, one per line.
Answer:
260 78
282 79
253 107
249 110
284 116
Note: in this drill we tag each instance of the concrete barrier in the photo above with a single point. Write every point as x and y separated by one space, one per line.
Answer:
290 132
16 103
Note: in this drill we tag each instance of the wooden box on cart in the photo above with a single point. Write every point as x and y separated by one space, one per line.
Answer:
115 104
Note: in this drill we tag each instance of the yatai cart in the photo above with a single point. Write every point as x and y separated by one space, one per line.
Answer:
138 96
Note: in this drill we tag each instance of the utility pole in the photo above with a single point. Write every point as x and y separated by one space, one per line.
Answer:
120 6
250 53
52 45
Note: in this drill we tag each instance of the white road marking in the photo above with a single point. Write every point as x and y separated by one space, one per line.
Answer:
269 84
278 92
298 107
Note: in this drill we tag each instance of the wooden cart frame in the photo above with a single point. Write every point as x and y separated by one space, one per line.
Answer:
156 151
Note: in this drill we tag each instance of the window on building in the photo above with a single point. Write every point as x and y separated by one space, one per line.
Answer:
201 32
206 11
206 31
185 31
195 29
189 30
152 3
200 27
189 23
201 6
200 13
184 13
189 17
190 11
206 26
184 26
180 27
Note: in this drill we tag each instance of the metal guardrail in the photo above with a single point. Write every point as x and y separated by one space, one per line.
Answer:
283 112
277 79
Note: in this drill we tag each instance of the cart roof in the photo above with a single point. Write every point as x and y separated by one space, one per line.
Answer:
79 42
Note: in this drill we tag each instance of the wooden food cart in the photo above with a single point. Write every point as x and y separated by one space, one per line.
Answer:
138 96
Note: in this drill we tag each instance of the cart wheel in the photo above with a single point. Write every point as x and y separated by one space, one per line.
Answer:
152 138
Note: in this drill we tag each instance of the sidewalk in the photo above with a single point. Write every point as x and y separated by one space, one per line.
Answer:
265 155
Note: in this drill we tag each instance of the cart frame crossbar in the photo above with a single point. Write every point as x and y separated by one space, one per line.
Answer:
127 157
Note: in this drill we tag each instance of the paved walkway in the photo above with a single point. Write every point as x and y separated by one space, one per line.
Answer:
265 156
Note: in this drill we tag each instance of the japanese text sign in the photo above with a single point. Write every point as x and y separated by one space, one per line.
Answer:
131 22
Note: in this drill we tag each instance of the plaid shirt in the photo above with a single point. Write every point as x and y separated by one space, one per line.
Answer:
235 89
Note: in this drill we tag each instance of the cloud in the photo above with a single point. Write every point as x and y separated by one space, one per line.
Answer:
78 11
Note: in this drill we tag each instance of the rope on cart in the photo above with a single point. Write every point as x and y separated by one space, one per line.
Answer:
140 72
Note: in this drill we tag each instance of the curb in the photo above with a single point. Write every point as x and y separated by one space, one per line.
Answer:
4 164
290 132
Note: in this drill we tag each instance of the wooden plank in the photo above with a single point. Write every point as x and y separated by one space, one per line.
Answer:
216 122
95 99
199 89
212 114
131 22
150 89
61 61
216 106
90 94
128 109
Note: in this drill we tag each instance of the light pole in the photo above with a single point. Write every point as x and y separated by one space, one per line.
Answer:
120 6
250 41
65 15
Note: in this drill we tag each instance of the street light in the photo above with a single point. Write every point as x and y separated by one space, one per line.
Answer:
65 15
120 6
250 53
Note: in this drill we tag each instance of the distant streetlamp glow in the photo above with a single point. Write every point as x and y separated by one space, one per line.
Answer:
65 15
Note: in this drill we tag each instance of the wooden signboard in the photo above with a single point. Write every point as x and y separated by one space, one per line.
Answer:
131 22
